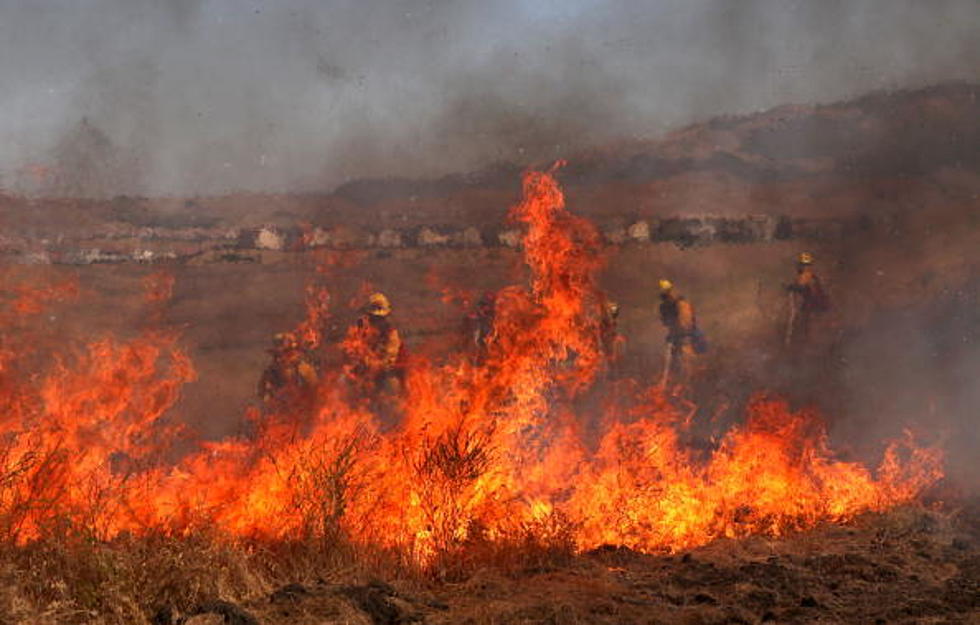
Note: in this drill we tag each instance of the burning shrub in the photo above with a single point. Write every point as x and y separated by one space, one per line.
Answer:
449 468
487 457
323 481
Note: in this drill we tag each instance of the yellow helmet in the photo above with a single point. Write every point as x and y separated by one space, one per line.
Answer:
806 258
665 285
378 305
284 340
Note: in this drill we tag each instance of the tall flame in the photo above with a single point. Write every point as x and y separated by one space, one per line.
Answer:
482 451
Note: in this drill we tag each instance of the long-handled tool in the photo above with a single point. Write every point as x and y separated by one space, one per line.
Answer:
791 322
668 361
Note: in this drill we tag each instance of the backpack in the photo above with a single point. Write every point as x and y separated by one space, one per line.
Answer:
816 298
699 341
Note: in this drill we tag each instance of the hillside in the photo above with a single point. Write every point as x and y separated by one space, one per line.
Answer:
856 158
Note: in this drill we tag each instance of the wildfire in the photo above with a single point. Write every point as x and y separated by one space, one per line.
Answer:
482 451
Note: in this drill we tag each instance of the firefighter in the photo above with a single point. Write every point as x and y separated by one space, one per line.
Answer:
684 338
373 347
292 372
609 336
806 298
480 324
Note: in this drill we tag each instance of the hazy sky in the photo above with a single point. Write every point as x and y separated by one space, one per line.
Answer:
202 96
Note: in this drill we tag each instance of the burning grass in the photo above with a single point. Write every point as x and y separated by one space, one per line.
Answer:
485 463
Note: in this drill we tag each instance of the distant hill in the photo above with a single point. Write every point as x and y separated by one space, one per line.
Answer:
883 136
828 160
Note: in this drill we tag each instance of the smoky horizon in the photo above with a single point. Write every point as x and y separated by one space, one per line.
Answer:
107 97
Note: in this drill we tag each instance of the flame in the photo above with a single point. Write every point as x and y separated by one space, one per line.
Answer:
71 443
482 451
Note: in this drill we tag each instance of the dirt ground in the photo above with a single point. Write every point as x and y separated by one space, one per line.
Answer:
908 566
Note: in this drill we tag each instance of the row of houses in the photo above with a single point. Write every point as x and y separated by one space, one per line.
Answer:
682 231
161 245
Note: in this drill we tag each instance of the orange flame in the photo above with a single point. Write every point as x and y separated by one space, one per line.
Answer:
482 451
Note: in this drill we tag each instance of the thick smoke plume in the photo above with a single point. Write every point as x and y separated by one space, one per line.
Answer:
182 96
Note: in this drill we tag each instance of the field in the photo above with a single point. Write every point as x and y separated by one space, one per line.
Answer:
143 480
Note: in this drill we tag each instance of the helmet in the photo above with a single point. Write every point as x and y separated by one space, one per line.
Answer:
612 308
284 340
665 285
378 305
805 258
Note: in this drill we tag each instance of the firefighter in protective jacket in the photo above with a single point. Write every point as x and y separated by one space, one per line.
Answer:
807 297
684 338
292 372
373 347
478 326
609 338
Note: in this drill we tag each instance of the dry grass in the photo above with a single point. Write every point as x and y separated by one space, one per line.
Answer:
129 579
78 580
906 565
73 576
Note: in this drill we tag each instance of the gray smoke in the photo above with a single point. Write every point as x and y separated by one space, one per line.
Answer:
214 95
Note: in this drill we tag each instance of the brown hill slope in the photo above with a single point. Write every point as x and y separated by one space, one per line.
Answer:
833 159
801 160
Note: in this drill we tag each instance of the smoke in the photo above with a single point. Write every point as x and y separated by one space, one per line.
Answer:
915 367
210 96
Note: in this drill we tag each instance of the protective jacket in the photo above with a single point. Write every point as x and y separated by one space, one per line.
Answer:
677 315
374 345
291 370
812 297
